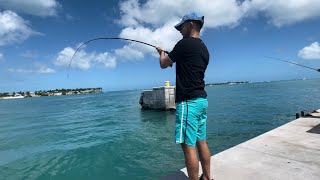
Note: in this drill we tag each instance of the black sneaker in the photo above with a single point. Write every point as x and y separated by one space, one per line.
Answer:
201 177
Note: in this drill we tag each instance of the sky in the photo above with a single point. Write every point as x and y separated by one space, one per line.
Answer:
39 37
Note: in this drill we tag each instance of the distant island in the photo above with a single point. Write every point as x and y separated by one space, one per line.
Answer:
57 92
224 83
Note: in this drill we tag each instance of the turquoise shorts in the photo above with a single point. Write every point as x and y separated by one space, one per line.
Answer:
191 117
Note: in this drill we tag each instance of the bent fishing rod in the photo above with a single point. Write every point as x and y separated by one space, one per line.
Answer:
292 63
108 38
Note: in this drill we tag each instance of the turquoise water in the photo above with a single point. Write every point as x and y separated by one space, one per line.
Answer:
107 136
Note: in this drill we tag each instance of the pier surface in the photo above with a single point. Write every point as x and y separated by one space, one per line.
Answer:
291 151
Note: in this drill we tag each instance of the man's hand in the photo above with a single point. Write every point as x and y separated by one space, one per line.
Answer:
160 50
165 61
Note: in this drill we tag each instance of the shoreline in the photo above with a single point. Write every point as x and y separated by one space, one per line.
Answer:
57 92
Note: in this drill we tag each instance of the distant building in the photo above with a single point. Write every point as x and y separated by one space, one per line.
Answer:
57 93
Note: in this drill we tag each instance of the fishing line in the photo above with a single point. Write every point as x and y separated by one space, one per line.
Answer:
292 63
107 38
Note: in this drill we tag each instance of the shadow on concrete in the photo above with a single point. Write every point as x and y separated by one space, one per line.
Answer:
315 129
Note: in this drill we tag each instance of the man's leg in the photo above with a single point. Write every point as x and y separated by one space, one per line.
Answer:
203 149
186 132
191 160
205 156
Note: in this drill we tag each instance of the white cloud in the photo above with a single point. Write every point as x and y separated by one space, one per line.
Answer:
13 29
45 70
1 56
153 21
41 70
217 13
83 60
164 37
310 52
106 59
158 12
286 12
33 7
129 53
80 61
69 17
29 54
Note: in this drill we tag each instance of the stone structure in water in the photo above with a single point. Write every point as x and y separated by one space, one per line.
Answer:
159 98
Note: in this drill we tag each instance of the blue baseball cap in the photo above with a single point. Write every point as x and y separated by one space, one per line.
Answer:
193 16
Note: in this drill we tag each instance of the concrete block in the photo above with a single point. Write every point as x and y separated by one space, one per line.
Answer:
162 98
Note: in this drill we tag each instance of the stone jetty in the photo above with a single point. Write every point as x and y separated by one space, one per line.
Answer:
291 151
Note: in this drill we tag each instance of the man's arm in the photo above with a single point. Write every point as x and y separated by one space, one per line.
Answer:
164 60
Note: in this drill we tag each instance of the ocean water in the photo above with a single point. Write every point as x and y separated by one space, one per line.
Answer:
108 136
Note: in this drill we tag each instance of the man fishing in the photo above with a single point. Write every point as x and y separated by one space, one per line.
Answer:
191 57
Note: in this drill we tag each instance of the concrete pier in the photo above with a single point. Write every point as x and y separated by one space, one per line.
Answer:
291 151
161 98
